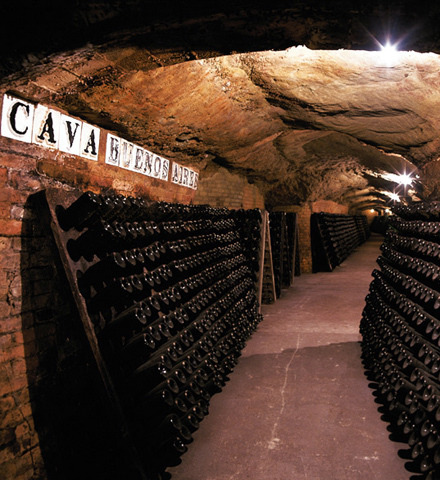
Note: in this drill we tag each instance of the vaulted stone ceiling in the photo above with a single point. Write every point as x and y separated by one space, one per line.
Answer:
207 88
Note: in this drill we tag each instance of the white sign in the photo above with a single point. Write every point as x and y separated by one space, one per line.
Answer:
23 121
112 150
184 176
46 127
124 154
90 142
70 135
165 169
17 119
140 157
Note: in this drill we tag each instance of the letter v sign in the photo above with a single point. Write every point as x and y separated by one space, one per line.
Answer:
70 135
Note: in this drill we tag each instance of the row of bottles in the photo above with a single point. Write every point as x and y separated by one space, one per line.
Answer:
400 330
170 292
334 237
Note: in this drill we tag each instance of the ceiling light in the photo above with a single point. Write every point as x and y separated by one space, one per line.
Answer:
388 49
392 195
400 179
389 54
404 179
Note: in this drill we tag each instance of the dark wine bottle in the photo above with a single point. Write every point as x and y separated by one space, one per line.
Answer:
169 427
92 241
113 295
151 373
191 422
168 453
81 210
158 402
137 350
110 267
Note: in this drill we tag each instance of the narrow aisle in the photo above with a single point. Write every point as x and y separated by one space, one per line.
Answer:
298 405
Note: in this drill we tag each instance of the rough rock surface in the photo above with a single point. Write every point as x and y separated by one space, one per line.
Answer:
302 124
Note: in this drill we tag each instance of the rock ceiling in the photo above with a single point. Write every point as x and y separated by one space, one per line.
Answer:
303 124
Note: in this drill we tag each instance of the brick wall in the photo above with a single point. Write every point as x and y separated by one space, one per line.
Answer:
49 394
328 206
223 189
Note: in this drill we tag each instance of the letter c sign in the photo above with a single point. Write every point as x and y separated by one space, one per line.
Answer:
17 119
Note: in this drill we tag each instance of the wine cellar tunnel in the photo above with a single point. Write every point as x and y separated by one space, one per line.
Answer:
219 240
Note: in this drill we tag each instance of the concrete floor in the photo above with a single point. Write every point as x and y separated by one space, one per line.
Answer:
298 405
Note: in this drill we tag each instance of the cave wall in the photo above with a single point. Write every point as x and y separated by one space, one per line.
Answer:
214 28
431 180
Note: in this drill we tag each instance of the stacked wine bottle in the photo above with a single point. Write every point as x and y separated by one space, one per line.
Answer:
170 291
335 237
248 223
401 333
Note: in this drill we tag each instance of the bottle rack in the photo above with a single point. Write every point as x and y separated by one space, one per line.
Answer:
268 292
283 245
291 252
334 237
278 238
400 330
166 295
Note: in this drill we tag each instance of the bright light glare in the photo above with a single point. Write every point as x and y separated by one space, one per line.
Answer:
401 179
392 195
388 49
372 210
389 54
387 210
405 179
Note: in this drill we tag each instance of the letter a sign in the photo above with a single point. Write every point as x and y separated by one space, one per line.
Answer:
46 127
